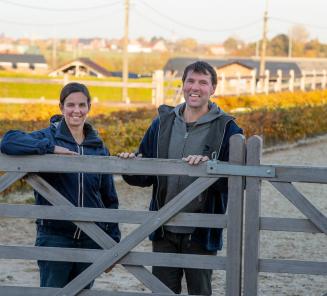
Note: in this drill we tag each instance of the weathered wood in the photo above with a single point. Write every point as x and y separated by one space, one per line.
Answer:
8 179
95 232
115 165
107 215
111 164
300 174
288 224
252 215
293 266
132 258
132 240
302 204
31 291
235 219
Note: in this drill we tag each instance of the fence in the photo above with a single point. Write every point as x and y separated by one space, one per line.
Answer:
156 85
239 170
236 85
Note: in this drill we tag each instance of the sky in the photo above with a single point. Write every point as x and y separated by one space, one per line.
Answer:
208 21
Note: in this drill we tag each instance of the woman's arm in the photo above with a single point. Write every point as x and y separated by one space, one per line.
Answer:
16 142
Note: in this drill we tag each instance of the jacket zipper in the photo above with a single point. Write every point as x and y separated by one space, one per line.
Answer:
158 182
80 198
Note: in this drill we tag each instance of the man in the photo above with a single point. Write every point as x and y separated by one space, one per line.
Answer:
191 131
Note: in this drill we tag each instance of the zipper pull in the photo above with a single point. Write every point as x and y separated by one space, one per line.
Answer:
186 135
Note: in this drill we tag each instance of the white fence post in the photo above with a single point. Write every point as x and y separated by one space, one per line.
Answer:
238 84
253 81
302 83
291 81
222 84
279 80
66 79
158 90
323 80
266 82
313 80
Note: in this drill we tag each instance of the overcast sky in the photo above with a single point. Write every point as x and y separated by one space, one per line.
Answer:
208 21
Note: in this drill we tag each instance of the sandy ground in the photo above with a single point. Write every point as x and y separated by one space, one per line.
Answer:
272 244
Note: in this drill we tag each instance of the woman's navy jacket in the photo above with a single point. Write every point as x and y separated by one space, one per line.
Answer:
81 189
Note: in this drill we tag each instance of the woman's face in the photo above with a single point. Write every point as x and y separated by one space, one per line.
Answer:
75 109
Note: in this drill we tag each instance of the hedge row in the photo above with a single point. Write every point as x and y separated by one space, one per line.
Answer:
123 130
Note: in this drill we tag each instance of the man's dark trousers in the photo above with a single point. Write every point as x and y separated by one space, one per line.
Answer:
198 280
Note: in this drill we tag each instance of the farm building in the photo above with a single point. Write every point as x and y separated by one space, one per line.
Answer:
81 67
23 62
244 66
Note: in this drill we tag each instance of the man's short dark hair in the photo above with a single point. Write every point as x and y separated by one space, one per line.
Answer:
201 67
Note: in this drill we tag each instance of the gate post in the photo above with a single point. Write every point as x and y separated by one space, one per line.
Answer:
252 220
235 219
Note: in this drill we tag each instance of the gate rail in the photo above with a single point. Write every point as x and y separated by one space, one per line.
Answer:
243 168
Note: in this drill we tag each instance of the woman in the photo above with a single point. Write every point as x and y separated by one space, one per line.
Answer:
67 134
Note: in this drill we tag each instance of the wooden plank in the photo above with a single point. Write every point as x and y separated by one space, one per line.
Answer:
120 250
8 179
107 215
87 82
288 225
252 220
235 219
95 232
115 165
302 204
293 266
132 258
32 291
300 174
105 164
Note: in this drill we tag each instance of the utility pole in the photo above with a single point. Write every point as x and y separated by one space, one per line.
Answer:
290 41
54 53
264 42
125 54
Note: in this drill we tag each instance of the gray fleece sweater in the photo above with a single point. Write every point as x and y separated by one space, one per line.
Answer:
188 139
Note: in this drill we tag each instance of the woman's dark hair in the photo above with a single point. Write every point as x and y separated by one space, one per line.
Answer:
73 87
203 68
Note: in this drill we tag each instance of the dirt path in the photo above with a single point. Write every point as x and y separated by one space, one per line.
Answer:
273 244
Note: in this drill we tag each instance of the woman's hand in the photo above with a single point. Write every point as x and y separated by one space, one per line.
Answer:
63 150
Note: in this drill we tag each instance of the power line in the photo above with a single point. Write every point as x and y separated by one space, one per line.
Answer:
84 20
297 23
151 21
198 28
59 9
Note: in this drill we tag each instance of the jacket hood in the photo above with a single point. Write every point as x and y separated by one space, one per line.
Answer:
214 113
61 130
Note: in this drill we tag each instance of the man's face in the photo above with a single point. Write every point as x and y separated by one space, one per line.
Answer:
197 89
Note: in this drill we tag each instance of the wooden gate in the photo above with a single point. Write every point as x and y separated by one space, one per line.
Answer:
238 173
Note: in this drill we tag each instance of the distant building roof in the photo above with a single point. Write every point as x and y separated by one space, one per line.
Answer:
93 68
272 64
23 58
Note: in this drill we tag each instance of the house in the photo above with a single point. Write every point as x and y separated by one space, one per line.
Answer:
244 66
24 62
81 67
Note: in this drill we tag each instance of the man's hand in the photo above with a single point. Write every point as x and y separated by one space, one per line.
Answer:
195 159
63 150
127 155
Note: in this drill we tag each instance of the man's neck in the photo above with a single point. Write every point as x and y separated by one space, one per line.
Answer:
193 114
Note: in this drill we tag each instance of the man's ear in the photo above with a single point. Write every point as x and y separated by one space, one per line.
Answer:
60 107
